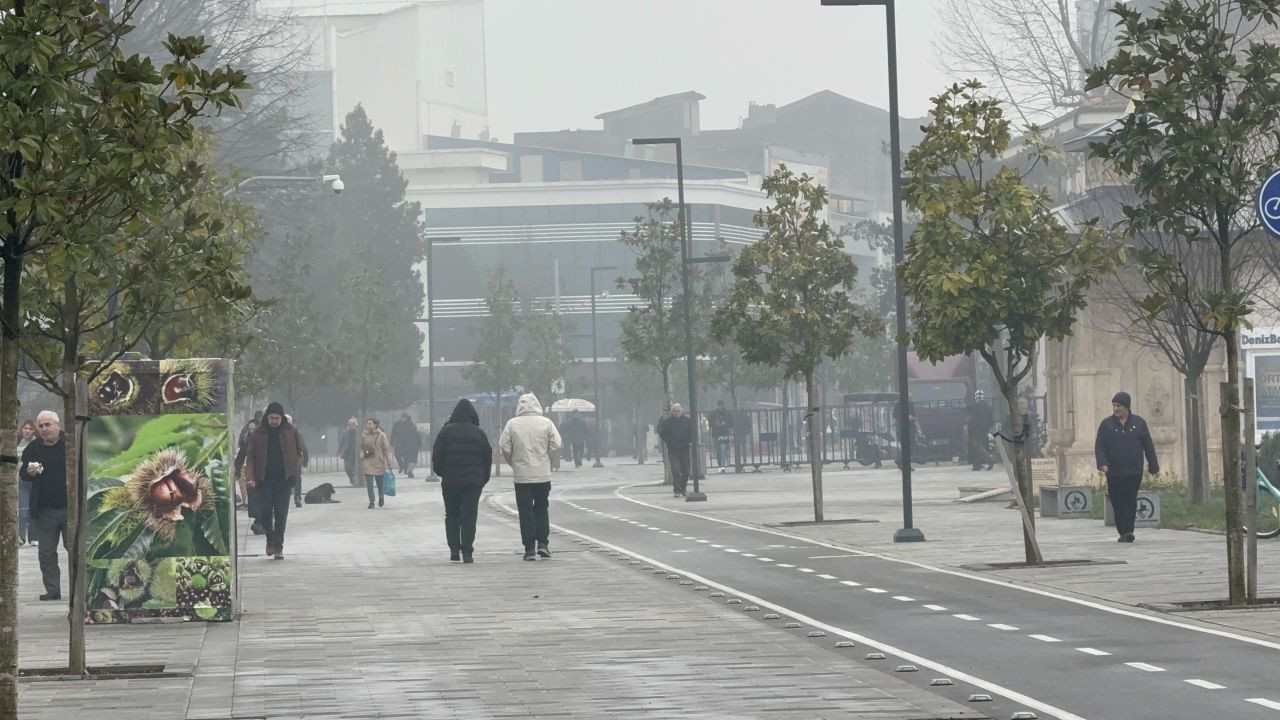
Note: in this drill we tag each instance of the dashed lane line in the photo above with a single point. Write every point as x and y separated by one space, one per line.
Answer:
824 576
1001 626
903 598
966 618
1264 703
851 583
1044 638
1146 667
1205 684
935 608
1093 651
876 590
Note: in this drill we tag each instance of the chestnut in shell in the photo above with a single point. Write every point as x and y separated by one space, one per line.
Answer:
162 486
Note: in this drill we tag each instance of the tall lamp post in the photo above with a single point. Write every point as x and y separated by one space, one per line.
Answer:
595 359
908 533
687 259
431 343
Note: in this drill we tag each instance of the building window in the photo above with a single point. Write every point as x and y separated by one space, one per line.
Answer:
448 78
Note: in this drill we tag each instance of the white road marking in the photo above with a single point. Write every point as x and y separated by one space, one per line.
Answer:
877 591
966 618
785 565
748 554
1145 666
956 573
1205 684
1001 626
850 583
1044 638
1093 651
827 577
910 657
704 542
935 608
805 570
831 557
765 559
903 598
1264 703
731 550
716 546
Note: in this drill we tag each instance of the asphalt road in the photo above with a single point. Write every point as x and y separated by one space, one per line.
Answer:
1031 650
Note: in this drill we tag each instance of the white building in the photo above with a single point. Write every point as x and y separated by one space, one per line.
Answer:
417 66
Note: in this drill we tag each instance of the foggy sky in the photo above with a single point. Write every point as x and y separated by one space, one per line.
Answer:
555 64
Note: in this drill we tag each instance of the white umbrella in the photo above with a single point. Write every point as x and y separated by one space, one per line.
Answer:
571 404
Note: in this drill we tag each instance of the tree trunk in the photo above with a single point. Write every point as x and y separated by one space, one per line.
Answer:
1197 440
9 409
1231 474
815 443
1022 471
75 564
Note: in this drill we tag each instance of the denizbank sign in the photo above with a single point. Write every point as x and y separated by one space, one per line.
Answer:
1260 339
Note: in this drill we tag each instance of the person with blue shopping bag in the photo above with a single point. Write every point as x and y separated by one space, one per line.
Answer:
375 460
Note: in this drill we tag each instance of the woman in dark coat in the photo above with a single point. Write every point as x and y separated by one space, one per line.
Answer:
463 458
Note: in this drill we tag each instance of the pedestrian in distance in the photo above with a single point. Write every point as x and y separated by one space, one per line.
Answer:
347 448
306 460
26 433
676 430
44 465
407 442
528 442
575 433
463 458
721 432
1123 442
375 459
980 421
273 465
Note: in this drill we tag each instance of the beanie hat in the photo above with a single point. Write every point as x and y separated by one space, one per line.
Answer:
1122 398
274 408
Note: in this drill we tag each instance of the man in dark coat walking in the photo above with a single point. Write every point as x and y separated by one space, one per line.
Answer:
574 431
272 466
1122 444
676 431
463 458
981 418
406 442
347 451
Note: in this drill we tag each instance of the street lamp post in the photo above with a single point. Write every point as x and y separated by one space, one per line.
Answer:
431 343
687 259
908 533
595 359
333 181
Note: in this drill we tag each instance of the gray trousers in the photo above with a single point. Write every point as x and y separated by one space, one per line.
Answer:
47 526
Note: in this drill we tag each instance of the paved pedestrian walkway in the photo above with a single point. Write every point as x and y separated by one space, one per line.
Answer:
367 618
1163 566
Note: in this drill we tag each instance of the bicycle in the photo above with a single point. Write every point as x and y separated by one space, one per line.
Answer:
1268 507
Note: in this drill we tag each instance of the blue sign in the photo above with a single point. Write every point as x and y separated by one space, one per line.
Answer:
1269 203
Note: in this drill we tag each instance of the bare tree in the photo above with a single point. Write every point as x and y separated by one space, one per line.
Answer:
1031 54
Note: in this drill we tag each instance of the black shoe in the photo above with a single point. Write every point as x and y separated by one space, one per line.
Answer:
370 506
543 550
257 528
57 596
467 558
381 501
297 502
1127 537
410 473
455 555
528 555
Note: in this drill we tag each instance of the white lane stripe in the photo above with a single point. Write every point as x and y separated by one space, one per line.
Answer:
1044 638
966 618
731 550
765 559
748 554
827 577
910 657
716 546
877 591
850 583
785 565
935 608
1205 684
1264 703
1093 651
903 598
1001 626
704 542
1145 667
805 570
956 573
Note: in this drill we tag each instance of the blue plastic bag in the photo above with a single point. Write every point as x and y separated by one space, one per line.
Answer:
389 483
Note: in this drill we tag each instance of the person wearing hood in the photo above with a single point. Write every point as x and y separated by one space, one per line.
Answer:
527 443
1123 442
272 466
463 458
375 458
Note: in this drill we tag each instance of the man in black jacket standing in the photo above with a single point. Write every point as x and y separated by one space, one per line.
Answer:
44 464
1122 444
677 432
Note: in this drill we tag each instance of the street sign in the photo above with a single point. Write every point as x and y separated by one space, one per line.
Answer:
1269 203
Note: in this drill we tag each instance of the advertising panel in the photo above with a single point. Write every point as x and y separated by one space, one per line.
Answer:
160 512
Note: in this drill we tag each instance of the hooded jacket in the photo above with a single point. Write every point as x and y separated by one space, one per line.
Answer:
462 454
375 452
528 441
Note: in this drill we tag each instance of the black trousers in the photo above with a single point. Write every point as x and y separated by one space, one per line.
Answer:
275 512
49 525
406 460
579 449
461 506
535 524
1123 490
679 457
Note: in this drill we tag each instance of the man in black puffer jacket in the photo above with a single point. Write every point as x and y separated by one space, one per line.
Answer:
1122 444
463 458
